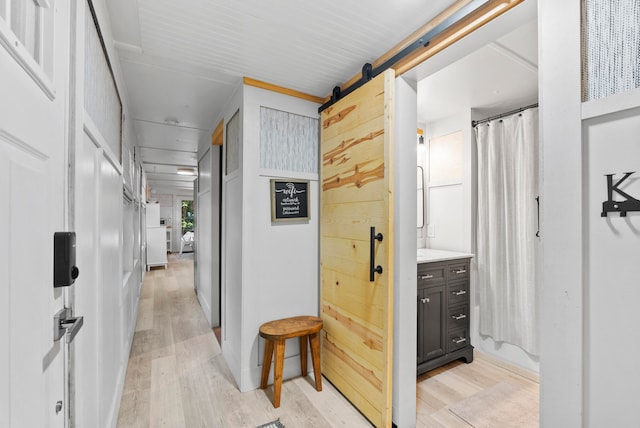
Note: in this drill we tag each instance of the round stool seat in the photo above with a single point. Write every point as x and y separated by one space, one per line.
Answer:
288 328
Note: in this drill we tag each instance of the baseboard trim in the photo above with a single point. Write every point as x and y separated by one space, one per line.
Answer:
520 371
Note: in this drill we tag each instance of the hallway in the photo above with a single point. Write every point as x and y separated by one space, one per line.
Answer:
177 376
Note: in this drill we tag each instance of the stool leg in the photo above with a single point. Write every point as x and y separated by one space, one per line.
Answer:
266 364
303 355
277 372
315 357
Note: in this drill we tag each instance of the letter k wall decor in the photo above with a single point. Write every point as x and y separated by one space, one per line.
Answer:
611 205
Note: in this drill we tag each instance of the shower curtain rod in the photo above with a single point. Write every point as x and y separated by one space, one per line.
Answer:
509 113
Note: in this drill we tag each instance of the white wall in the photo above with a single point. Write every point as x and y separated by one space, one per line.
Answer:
270 271
111 330
280 269
207 231
405 280
561 298
204 226
104 294
590 264
611 268
232 244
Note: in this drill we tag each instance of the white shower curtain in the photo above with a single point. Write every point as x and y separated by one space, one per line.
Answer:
507 226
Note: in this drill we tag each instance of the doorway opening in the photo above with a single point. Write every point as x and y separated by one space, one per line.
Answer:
496 78
187 219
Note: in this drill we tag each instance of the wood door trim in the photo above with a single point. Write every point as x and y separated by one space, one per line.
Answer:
217 137
282 90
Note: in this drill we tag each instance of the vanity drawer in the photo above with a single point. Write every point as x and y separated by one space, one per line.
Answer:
458 271
431 275
458 293
457 317
457 339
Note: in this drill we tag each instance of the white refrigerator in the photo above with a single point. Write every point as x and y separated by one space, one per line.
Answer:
156 238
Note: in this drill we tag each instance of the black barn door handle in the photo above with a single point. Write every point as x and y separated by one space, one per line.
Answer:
372 247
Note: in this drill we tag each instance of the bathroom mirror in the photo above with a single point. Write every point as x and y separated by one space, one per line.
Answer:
420 197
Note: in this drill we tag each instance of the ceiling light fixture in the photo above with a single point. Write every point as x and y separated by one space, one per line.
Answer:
186 171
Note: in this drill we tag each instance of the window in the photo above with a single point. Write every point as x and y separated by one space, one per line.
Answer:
232 146
26 31
101 97
610 39
288 141
25 24
187 216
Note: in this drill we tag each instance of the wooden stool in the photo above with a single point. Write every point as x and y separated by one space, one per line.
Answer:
275 333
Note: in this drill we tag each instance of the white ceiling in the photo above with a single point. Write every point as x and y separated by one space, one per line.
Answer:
496 78
181 61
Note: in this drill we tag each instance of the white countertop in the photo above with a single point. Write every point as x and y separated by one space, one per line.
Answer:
426 255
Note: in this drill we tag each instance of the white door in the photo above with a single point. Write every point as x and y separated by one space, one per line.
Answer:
33 200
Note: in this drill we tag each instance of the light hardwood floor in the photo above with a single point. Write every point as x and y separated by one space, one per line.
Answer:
177 377
485 393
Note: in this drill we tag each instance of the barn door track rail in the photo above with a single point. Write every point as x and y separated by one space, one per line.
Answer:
440 26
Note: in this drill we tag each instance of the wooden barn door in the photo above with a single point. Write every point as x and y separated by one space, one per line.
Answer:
357 194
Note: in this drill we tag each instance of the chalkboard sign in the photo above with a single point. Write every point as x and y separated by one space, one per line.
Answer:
289 200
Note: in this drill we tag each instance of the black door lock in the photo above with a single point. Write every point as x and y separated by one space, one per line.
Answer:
65 270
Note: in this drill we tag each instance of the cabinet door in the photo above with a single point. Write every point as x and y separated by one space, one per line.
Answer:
431 325
156 246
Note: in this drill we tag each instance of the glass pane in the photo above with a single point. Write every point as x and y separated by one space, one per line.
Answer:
288 141
233 143
101 98
25 23
610 37
17 11
3 9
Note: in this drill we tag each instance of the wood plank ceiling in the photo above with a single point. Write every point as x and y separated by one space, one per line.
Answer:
180 61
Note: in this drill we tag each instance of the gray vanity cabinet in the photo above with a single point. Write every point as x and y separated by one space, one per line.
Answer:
443 313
